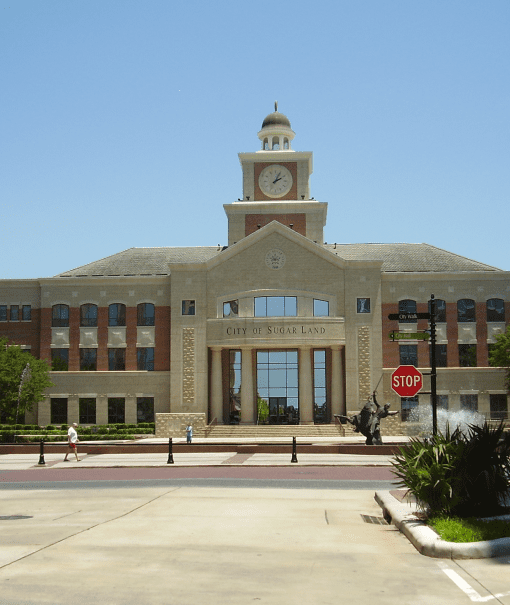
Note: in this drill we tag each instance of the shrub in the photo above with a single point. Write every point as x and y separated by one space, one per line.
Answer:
455 473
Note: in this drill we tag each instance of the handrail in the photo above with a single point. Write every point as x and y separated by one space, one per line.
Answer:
339 425
210 427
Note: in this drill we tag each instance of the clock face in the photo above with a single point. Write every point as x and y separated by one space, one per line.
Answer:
275 180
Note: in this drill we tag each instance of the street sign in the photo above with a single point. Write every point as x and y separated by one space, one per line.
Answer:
394 335
408 316
406 381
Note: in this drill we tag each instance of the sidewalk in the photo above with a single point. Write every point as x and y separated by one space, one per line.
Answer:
12 461
27 461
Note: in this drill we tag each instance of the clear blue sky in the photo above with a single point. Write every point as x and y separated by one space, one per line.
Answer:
121 121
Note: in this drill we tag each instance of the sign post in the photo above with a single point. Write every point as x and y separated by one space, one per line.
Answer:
433 371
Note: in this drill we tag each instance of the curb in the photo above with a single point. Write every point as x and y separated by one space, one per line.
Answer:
425 539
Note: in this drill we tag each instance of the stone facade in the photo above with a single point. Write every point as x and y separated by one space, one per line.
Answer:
174 425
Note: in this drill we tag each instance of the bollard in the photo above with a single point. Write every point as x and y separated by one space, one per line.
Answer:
170 454
41 453
294 450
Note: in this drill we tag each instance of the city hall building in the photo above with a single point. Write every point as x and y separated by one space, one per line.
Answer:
277 327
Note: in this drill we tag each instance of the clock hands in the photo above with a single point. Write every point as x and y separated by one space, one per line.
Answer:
278 178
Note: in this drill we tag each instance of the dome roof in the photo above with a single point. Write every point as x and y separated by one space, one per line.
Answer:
276 119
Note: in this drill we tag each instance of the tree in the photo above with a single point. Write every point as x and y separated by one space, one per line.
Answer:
13 361
499 355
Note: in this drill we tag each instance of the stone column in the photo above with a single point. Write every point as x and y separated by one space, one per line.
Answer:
102 409
337 382
130 410
305 385
216 386
73 409
247 403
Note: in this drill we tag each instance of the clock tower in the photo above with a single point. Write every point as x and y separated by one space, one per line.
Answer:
276 186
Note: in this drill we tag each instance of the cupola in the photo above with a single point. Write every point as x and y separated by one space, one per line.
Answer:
276 133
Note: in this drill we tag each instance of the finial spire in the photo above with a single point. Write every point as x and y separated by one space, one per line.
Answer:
276 105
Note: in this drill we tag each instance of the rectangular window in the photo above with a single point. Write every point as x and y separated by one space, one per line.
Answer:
60 316
117 314
26 313
3 312
409 409
116 410
466 310
145 314
363 305
496 310
87 410
145 409
441 360
469 402
440 310
231 308
88 360
408 355
320 308
116 360
498 406
319 387
467 356
275 306
145 359
88 316
58 410
188 307
60 360
234 414
14 314
407 306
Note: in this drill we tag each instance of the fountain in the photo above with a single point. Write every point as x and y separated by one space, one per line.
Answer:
453 418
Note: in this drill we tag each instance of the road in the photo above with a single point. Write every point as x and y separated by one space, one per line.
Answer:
283 477
224 536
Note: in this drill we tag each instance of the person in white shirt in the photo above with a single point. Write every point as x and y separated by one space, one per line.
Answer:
72 439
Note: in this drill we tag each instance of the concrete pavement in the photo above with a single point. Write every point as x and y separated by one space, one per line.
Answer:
193 545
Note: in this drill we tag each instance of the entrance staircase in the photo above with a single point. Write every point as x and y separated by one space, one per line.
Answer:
249 431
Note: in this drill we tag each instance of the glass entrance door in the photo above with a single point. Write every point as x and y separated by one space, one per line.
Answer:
277 387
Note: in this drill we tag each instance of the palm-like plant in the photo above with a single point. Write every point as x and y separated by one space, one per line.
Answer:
457 473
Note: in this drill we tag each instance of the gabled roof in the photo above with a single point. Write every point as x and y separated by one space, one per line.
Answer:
402 258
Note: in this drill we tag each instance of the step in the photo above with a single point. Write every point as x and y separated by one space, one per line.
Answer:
254 431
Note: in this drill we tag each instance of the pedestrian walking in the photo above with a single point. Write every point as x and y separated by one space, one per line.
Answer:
189 433
72 440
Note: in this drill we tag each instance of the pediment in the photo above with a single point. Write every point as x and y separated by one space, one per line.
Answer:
270 236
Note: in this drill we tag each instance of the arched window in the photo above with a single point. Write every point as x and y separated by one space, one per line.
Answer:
286 143
145 314
276 144
265 145
88 316
117 314
440 310
466 310
496 309
407 306
60 316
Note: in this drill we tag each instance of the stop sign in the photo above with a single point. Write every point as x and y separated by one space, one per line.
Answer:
406 381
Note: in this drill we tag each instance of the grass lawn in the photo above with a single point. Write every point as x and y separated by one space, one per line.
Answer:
471 529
